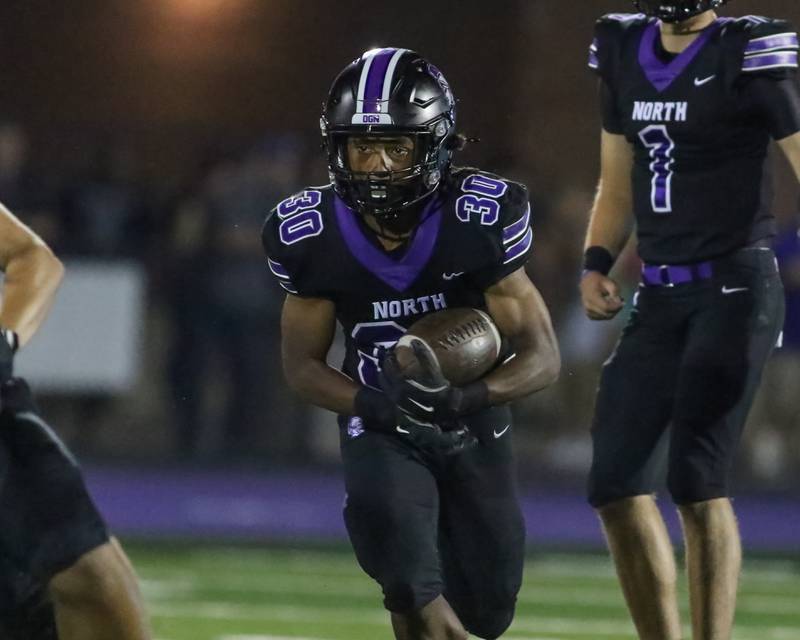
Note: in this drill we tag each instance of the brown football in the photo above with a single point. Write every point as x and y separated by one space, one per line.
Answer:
465 342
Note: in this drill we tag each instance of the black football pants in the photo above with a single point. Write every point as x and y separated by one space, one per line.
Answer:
424 525
691 358
47 522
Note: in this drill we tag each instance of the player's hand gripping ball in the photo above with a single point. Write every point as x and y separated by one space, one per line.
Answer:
464 343
443 351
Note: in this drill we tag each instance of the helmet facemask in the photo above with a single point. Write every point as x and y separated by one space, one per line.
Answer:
389 195
413 101
676 10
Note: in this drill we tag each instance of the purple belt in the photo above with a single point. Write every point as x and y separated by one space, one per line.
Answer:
668 275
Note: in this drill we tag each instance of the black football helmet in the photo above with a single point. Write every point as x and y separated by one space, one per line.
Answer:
676 10
390 92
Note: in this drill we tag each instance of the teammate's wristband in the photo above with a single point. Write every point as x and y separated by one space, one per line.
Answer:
472 398
374 407
597 258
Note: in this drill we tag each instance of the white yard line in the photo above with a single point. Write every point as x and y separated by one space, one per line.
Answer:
523 626
581 597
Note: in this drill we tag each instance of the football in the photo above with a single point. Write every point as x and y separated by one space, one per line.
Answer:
465 343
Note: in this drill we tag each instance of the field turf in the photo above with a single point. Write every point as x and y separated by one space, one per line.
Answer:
249 593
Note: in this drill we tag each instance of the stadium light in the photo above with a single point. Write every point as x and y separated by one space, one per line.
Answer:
199 9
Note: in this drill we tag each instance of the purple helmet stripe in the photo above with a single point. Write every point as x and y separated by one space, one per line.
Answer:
373 90
770 61
513 231
362 81
387 82
519 248
778 41
288 286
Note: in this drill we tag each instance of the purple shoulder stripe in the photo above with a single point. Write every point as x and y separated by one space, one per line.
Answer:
515 230
520 247
277 269
786 59
594 60
774 42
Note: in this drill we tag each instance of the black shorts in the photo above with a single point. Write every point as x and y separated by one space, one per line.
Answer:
47 518
691 357
32 618
424 525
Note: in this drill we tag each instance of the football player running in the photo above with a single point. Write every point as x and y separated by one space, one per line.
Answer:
689 103
431 506
61 575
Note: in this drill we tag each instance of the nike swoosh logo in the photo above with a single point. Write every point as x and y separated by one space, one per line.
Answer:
726 291
700 82
450 276
401 430
497 434
424 407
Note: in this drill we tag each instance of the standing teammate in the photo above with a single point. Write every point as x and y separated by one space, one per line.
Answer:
690 102
432 516
58 568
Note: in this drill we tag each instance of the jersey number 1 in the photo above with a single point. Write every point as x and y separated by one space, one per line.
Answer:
657 140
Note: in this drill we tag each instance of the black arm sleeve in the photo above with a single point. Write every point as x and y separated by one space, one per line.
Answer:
608 105
777 101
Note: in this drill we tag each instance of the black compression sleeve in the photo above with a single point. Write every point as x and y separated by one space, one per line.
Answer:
777 100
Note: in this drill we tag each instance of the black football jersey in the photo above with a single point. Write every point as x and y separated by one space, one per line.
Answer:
473 232
698 128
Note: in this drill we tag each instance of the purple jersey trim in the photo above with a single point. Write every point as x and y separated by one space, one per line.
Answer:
660 74
594 60
398 274
518 248
277 269
770 61
513 231
373 91
778 41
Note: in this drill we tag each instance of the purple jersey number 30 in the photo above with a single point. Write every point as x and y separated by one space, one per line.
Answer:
657 140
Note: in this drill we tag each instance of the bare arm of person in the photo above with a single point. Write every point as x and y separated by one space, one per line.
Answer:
610 224
307 330
791 149
32 276
522 318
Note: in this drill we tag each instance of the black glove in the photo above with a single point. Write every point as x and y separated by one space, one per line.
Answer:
16 397
8 347
428 396
381 414
431 437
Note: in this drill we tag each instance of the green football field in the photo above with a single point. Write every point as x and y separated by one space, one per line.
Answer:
248 593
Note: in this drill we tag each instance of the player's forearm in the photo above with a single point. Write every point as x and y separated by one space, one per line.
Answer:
791 149
611 222
529 371
534 367
32 277
318 383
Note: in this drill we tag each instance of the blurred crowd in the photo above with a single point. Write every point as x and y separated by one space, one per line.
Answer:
211 389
